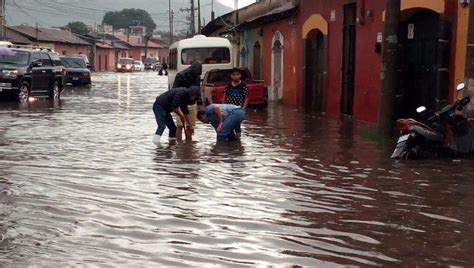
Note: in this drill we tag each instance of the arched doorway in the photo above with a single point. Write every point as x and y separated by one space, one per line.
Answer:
257 59
315 82
243 55
277 73
425 59
277 67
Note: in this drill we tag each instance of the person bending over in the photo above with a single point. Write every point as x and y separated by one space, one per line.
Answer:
225 118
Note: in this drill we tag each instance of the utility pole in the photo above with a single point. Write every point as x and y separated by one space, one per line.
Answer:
389 74
193 17
213 14
2 20
236 10
199 17
171 22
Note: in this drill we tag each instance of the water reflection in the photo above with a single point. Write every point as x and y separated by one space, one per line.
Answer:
82 183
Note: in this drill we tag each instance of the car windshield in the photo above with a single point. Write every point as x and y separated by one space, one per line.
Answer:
73 62
126 61
13 57
223 76
138 63
150 60
213 55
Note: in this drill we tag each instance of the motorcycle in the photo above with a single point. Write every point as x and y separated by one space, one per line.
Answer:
445 133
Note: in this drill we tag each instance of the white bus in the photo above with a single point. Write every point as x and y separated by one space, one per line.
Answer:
212 52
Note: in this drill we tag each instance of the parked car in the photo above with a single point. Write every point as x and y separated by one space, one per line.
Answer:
139 66
6 44
126 65
216 80
26 72
85 59
151 64
76 71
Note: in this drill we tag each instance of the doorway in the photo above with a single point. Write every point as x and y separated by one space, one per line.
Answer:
277 92
424 60
315 72
348 59
257 59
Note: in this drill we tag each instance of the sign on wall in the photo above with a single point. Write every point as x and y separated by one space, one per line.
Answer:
333 15
411 31
379 37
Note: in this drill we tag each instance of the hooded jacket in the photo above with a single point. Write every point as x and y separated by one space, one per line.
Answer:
189 77
178 97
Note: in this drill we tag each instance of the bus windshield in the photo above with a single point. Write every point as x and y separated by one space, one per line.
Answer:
216 55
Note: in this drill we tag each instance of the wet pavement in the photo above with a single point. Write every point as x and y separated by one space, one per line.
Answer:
81 183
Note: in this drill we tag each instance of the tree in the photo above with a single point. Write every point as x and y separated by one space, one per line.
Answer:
78 27
130 17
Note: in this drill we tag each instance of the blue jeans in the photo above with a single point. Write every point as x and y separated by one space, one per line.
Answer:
164 120
230 125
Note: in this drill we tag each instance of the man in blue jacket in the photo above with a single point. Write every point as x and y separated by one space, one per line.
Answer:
225 118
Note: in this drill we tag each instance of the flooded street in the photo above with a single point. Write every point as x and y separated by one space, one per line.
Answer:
82 183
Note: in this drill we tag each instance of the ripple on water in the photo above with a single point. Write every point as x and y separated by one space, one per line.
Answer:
82 184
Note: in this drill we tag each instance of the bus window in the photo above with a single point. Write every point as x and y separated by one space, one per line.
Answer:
217 55
173 59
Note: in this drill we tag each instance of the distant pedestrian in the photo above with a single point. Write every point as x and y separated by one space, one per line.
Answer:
188 78
225 118
236 93
163 69
175 100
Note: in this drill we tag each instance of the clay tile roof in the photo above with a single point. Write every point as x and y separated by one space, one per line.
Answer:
137 41
17 38
275 14
104 45
44 34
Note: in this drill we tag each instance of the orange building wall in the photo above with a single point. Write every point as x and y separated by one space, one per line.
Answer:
101 65
64 49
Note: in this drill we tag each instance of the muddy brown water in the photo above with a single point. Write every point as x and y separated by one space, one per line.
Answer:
81 183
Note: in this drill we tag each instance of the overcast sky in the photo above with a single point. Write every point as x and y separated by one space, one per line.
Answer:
242 3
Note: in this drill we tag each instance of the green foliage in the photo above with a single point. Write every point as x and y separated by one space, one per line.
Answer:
78 27
129 17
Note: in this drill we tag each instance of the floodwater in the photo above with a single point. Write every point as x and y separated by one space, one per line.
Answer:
81 183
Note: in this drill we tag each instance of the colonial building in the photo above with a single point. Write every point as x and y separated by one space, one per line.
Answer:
341 57
136 46
326 55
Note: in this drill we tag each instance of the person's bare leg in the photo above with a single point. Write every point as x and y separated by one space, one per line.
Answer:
189 134
179 133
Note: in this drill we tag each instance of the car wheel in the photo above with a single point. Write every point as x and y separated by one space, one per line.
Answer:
24 93
55 93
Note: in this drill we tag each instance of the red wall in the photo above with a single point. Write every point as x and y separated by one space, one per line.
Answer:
105 60
71 49
135 53
290 90
368 63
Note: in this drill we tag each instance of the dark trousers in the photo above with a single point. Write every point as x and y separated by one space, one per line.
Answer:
164 120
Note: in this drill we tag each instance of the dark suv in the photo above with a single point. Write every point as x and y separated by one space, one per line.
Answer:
28 73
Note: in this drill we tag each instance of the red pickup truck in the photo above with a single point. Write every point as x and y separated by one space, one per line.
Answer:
215 81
